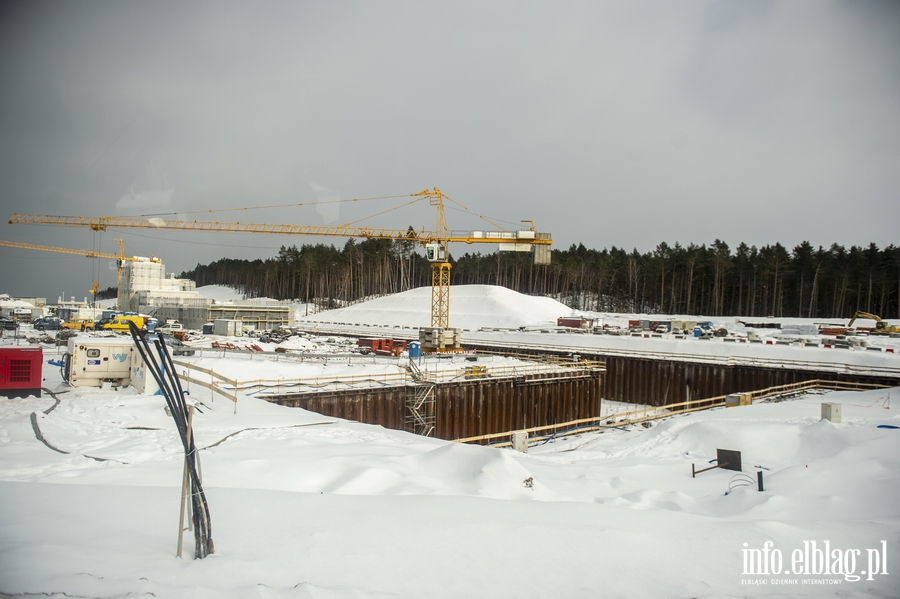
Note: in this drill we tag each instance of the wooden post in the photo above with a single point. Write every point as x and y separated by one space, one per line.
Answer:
184 485
695 472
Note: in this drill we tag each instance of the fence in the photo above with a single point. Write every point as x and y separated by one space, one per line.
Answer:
536 365
211 385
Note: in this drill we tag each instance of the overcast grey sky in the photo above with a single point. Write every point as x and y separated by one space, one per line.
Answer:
607 123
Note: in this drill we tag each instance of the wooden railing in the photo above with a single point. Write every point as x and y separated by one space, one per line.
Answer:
310 384
212 386
574 427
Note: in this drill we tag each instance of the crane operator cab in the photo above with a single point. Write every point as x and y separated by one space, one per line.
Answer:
436 252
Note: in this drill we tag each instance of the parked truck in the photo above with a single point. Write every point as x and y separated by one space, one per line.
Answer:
170 326
120 323
80 324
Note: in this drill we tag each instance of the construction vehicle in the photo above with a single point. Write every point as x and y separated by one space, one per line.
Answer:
439 336
80 324
170 326
120 323
95 286
881 327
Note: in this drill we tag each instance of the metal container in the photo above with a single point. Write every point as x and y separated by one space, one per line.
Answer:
20 371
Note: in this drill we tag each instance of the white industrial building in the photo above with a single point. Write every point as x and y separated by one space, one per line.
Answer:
144 282
146 288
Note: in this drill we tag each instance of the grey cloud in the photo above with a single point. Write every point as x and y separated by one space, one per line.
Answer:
608 123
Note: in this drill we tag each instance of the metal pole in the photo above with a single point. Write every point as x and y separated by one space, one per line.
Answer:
759 480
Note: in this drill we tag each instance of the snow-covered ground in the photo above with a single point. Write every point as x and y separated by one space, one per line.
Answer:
497 316
219 292
308 506
474 307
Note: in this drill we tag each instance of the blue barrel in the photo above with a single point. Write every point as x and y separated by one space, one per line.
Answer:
415 349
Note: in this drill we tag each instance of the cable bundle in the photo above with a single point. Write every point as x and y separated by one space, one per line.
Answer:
164 373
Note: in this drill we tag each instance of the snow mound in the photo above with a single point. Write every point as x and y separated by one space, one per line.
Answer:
471 307
477 471
220 292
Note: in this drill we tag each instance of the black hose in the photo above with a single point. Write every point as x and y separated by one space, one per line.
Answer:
67 364
163 371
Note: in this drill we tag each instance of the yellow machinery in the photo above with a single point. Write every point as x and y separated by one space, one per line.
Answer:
119 258
880 325
439 335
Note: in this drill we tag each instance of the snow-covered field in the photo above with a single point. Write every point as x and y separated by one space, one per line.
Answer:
492 315
309 506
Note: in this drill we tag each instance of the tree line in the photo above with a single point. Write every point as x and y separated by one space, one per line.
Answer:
711 280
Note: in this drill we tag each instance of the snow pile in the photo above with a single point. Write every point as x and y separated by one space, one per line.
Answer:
471 307
220 292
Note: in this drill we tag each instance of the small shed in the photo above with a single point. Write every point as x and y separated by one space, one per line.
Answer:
228 328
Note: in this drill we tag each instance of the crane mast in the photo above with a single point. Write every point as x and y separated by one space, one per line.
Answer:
435 243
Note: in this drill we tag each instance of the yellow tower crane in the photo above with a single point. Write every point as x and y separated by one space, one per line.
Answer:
95 286
439 335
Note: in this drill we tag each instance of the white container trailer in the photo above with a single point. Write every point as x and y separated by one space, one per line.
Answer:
92 361
228 328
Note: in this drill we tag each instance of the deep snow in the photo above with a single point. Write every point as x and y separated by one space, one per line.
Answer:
308 506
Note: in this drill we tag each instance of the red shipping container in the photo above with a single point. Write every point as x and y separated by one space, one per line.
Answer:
574 322
21 371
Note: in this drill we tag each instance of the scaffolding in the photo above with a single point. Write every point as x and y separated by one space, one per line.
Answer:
419 416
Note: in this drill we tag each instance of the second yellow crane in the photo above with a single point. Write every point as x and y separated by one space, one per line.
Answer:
95 286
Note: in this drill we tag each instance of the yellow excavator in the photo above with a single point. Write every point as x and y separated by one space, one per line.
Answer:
880 325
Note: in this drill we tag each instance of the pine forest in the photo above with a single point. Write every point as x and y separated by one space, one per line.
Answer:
712 280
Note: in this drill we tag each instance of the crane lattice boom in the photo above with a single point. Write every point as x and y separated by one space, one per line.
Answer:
74 252
101 223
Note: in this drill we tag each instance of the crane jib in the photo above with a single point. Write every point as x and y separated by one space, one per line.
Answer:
421 236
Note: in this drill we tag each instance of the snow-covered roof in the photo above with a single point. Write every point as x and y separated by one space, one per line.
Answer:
8 302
